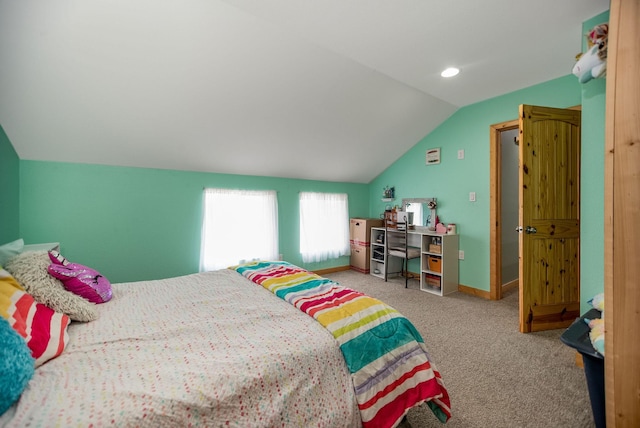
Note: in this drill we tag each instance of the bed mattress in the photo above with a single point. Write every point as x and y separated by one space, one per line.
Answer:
209 349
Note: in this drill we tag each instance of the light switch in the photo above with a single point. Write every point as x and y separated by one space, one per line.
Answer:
472 196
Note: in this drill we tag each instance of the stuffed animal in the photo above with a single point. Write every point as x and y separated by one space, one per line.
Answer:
596 334
596 325
593 63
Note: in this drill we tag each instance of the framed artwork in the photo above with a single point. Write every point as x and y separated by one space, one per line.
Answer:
433 156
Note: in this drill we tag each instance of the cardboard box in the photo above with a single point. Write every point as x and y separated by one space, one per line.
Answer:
360 230
360 258
435 264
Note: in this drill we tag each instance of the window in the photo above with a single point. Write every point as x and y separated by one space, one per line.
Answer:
324 226
238 225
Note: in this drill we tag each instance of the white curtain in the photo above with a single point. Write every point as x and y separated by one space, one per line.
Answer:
238 225
324 226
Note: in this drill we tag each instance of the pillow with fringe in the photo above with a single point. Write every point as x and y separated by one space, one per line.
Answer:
30 270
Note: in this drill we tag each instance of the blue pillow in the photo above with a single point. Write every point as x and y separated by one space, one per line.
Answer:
16 365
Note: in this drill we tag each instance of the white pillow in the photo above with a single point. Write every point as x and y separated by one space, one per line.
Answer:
11 249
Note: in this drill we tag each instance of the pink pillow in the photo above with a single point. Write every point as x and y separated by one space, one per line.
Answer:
82 280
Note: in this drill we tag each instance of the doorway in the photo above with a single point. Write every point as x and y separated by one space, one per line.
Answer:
509 142
498 133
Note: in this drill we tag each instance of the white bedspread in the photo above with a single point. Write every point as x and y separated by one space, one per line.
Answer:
211 349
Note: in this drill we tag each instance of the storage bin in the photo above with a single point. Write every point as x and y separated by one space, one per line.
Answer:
577 337
434 248
432 280
435 264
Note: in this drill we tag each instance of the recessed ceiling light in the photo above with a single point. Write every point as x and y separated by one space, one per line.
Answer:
450 72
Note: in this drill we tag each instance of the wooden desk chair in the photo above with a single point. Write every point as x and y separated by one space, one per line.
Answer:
397 233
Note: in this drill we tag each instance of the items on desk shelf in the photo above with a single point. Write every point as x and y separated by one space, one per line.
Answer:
395 219
435 245
388 192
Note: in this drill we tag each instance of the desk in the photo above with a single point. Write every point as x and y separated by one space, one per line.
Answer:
438 258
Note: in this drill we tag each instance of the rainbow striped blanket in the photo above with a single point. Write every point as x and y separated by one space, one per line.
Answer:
385 354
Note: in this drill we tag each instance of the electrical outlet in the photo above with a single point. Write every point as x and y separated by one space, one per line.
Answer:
460 154
461 255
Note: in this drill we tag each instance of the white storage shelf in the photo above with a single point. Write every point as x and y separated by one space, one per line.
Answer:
438 259
378 253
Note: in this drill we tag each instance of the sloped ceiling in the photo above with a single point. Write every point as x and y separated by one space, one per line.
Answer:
329 90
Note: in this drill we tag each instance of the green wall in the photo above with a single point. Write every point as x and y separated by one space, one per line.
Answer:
452 180
138 224
9 191
592 181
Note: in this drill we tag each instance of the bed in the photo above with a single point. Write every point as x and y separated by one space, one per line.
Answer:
233 347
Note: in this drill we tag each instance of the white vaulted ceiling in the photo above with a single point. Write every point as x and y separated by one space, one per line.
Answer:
327 90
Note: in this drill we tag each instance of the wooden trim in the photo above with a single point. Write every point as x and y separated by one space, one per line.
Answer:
495 204
474 291
622 216
511 285
333 269
579 360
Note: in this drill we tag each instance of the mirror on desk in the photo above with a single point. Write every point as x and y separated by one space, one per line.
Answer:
423 209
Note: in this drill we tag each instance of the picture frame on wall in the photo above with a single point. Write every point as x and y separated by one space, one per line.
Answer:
433 156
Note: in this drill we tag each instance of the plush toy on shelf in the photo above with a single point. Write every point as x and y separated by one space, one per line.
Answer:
593 63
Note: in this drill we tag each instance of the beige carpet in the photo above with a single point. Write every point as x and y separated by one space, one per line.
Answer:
496 376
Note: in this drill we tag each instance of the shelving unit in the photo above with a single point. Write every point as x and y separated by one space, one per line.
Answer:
438 259
439 264
379 262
